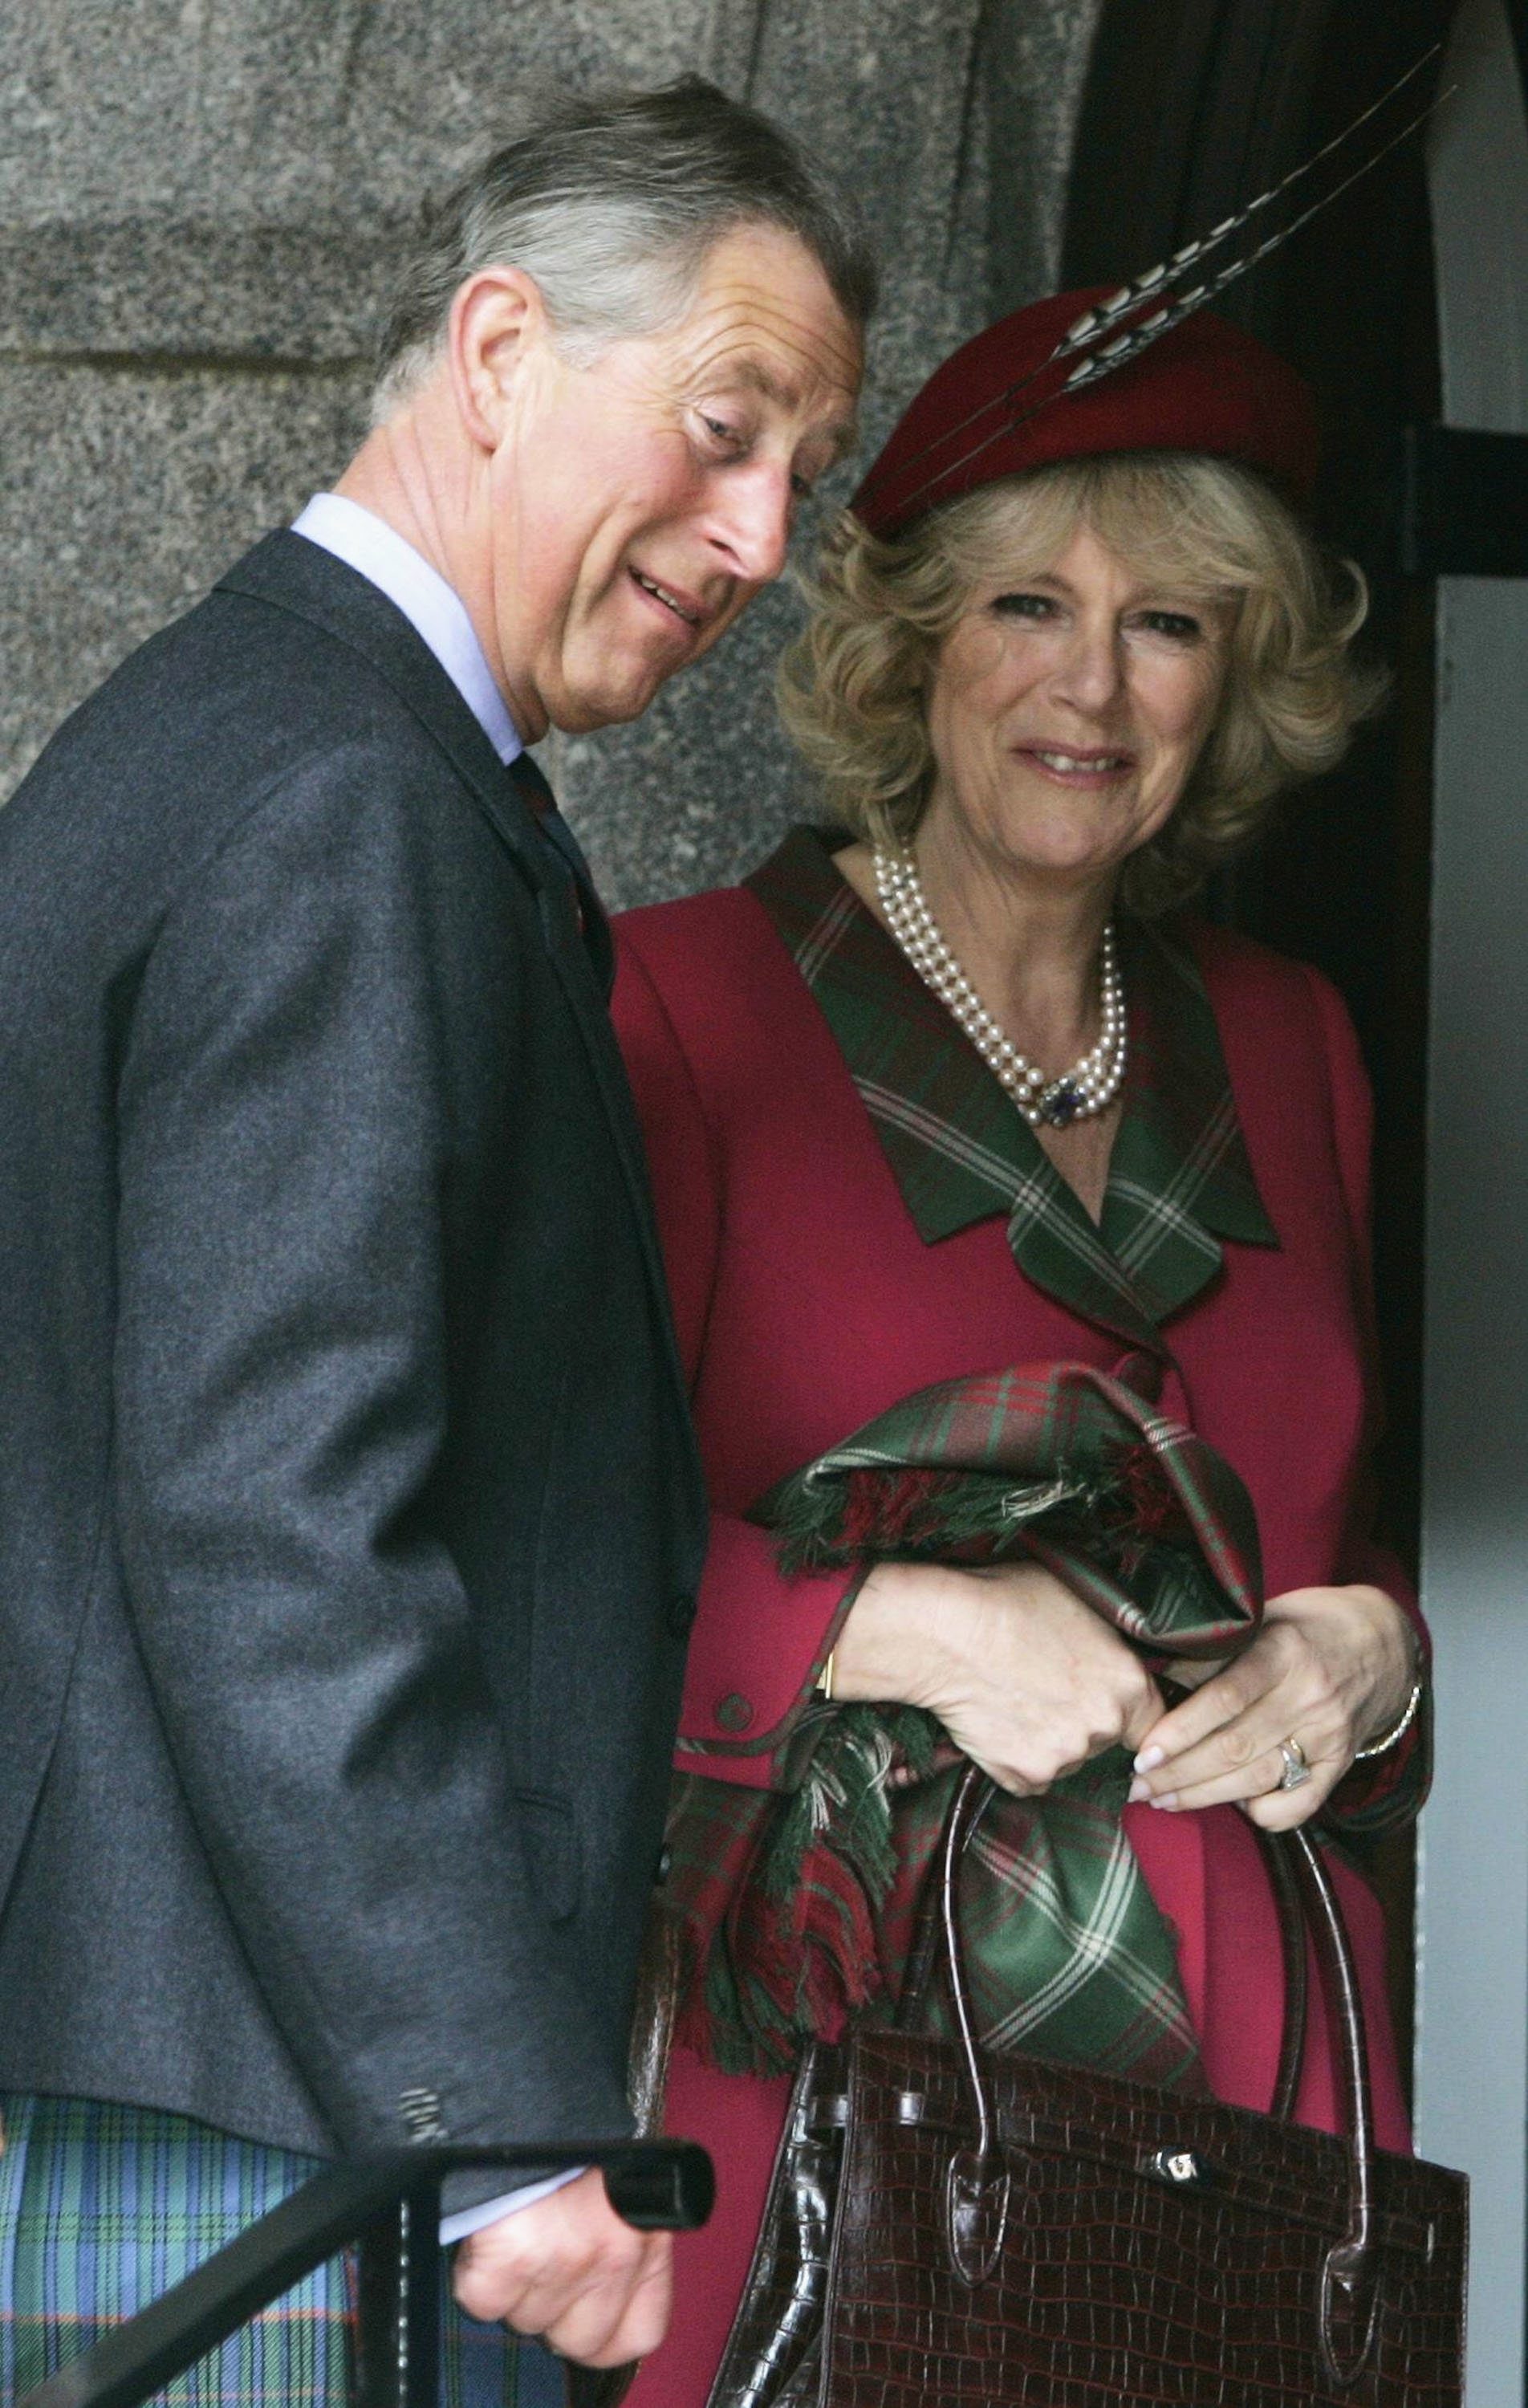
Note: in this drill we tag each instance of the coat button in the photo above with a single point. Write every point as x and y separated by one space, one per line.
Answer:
678 1614
661 1866
734 1712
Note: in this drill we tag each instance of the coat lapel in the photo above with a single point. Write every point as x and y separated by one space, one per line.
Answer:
1180 1179
298 577
961 1151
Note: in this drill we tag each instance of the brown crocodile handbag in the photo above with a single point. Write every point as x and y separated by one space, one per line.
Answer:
945 2227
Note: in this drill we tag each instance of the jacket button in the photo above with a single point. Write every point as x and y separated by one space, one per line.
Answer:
678 1614
661 1867
734 1712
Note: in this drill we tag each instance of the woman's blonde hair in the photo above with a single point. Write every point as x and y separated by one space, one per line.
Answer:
852 687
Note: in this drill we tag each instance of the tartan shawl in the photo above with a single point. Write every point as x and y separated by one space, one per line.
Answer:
796 1910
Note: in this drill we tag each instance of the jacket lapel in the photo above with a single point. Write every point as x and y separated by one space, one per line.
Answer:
961 1151
1181 1178
293 575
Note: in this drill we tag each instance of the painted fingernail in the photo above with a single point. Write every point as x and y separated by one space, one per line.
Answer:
1167 1801
1137 1791
1149 1758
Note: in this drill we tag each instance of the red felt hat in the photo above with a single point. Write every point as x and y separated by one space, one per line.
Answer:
1200 386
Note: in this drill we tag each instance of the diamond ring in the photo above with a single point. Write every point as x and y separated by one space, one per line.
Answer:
1296 1770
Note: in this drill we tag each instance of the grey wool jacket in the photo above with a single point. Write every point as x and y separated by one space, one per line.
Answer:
350 1521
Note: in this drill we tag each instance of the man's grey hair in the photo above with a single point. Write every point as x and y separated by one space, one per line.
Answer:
612 205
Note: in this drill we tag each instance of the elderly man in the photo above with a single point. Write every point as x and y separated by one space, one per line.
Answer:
349 1523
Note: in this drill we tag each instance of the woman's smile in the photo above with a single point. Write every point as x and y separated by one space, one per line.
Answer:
1072 766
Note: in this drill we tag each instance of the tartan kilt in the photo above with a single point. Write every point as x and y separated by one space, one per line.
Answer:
104 2207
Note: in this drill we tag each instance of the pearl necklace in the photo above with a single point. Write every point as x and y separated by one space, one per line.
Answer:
1078 1094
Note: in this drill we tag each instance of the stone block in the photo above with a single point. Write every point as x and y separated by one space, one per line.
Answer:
123 496
194 177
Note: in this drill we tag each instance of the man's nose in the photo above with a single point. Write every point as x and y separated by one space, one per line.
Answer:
751 520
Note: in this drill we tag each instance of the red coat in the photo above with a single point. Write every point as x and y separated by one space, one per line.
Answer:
807 1300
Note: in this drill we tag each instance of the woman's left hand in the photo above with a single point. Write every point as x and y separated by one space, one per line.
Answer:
1330 1668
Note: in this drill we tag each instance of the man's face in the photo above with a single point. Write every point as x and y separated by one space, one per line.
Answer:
636 505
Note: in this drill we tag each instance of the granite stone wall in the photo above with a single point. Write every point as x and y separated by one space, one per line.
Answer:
199 204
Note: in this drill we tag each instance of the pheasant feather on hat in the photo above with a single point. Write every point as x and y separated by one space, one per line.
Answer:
1144 367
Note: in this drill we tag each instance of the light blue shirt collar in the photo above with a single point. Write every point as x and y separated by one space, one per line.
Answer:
432 608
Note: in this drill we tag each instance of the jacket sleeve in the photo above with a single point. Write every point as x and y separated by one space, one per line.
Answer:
758 1640
293 1142
1388 1791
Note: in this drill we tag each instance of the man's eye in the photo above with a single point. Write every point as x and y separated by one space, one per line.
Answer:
724 432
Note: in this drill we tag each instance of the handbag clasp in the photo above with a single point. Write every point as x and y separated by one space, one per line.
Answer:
1183 2168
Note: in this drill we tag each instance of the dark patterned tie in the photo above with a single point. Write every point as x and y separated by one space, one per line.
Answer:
534 793
541 803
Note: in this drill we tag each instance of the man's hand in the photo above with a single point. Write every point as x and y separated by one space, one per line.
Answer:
569 2271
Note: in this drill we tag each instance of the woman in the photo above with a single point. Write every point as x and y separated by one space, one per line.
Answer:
947 1092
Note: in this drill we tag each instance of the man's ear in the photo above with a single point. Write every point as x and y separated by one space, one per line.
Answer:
498 320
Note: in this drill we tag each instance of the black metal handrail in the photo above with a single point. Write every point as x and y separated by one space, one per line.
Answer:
392 2206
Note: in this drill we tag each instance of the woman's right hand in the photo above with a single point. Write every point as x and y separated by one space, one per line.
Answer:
1029 1681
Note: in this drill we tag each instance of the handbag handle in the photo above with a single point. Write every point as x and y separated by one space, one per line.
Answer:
977 2180
976 2199
1350 2292
1291 1941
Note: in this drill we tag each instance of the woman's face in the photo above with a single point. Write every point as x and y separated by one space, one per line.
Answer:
1065 714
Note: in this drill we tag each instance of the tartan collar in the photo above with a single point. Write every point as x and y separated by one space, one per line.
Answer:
1179 1180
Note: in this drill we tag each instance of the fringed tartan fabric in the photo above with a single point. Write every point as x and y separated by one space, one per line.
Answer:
800 1910
104 2207
1059 1461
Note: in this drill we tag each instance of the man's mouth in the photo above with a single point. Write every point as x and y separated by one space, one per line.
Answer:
682 606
